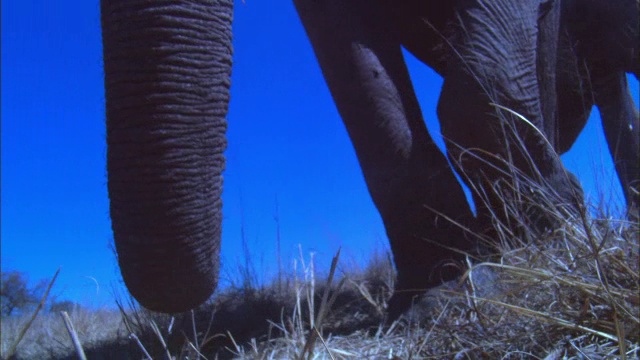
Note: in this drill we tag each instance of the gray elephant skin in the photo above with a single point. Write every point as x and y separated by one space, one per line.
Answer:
167 77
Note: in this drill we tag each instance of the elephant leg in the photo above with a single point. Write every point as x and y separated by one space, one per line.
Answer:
495 60
410 181
605 30
422 28
591 67
546 65
609 46
621 124
575 98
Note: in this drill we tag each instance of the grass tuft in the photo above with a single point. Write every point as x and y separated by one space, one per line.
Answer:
568 293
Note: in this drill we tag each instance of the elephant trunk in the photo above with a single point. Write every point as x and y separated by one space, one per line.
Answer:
167 76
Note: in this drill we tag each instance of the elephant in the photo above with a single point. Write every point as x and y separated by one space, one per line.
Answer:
167 72
599 44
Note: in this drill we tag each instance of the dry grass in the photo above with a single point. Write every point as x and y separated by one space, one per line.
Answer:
572 295
47 337
568 294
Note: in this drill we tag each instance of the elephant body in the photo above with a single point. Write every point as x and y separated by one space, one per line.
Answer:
167 69
423 208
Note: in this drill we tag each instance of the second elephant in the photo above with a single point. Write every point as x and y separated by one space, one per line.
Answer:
483 59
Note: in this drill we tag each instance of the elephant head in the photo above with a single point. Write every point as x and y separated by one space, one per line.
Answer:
167 76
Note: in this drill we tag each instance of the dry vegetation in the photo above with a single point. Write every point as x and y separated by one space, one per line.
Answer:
568 294
47 337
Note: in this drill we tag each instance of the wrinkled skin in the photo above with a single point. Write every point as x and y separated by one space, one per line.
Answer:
409 180
167 69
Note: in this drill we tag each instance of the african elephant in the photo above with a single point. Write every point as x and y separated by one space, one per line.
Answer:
167 68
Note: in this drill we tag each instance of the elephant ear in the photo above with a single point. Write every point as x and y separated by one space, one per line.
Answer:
167 76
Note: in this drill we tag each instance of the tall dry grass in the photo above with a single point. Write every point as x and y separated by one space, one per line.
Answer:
571 292
48 338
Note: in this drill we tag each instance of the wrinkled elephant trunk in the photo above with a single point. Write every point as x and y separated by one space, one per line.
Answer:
167 70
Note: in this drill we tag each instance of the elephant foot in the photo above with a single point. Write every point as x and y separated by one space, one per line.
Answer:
547 209
518 211
410 290
417 308
399 303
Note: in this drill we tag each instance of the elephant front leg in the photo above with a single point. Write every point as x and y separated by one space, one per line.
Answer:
495 60
411 183
621 123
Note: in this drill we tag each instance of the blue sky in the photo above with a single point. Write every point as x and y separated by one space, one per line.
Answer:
286 142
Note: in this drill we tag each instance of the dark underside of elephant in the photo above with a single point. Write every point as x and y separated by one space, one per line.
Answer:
167 78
